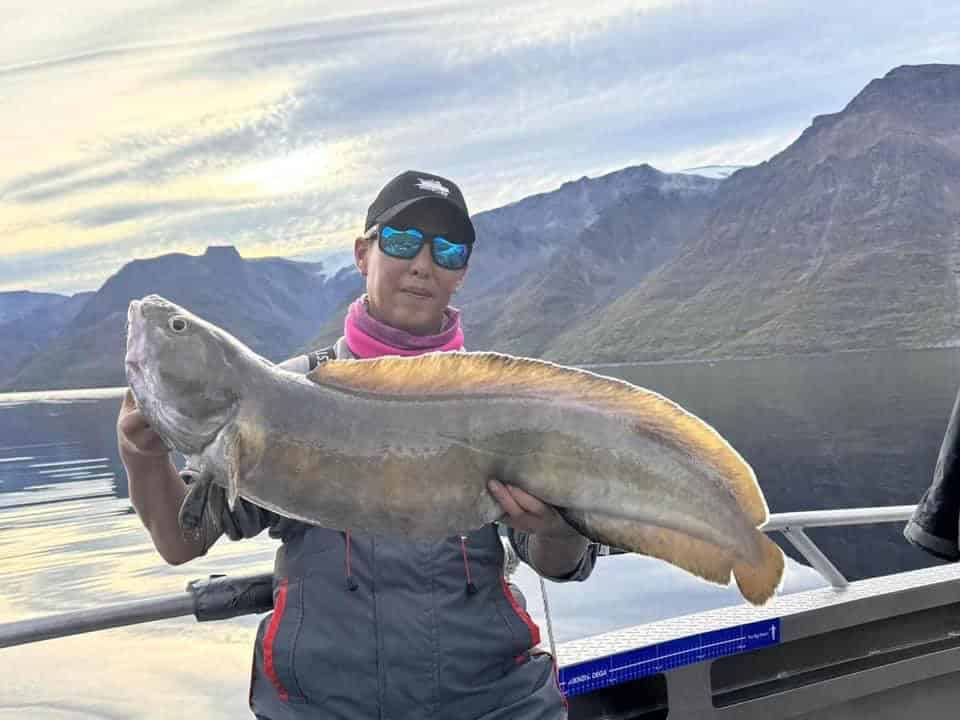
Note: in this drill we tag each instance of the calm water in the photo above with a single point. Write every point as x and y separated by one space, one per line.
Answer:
834 431
825 432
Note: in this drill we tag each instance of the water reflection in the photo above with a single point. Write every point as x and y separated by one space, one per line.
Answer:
174 669
59 554
833 431
69 541
59 437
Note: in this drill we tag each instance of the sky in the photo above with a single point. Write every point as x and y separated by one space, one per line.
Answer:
131 130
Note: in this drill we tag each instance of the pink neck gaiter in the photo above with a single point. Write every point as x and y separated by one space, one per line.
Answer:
369 338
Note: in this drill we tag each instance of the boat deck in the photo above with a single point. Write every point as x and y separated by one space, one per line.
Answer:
883 647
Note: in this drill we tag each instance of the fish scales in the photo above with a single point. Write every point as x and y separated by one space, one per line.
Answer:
406 445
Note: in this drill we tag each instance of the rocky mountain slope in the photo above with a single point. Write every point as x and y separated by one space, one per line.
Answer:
270 304
849 238
31 322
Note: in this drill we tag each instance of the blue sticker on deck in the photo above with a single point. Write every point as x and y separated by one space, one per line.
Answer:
632 664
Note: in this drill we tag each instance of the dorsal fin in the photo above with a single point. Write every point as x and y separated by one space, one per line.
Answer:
449 374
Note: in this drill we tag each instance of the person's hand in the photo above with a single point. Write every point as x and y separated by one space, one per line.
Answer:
527 513
135 437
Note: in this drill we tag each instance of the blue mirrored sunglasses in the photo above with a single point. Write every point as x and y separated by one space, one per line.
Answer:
406 243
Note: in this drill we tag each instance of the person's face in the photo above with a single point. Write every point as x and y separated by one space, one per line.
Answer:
409 295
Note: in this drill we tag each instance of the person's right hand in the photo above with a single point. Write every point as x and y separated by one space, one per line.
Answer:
134 434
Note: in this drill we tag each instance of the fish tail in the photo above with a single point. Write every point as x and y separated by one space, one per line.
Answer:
757 579
759 582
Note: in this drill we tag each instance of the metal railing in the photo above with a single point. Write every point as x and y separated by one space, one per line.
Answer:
216 598
220 597
792 526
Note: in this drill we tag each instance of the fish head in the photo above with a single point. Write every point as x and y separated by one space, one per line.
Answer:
183 371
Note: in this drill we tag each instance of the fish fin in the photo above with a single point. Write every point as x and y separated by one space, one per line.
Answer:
755 581
446 374
195 501
232 457
695 556
233 492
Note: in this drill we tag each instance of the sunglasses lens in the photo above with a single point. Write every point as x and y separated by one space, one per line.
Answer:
401 243
406 244
450 255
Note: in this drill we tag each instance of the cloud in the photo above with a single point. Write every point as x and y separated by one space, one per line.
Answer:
178 122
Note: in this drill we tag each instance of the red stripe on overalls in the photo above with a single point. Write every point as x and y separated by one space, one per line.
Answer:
270 636
527 620
534 636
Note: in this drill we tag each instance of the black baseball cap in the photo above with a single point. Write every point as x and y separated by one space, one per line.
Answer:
411 188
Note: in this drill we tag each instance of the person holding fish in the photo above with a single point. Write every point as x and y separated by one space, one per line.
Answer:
367 625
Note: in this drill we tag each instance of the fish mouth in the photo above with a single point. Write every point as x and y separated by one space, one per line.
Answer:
134 350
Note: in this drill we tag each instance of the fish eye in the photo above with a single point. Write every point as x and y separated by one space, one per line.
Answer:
177 324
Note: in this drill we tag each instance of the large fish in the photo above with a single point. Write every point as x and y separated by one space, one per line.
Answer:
405 446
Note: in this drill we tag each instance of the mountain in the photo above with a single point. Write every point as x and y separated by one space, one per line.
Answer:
847 239
627 241
520 237
270 304
32 320
14 305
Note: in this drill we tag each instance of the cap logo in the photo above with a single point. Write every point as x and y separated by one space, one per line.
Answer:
433 186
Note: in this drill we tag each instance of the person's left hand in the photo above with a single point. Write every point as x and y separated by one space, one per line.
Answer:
527 513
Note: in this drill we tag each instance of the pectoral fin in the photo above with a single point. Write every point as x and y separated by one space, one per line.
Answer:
195 501
232 457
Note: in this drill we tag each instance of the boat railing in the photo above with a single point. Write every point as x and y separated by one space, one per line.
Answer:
792 525
219 597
